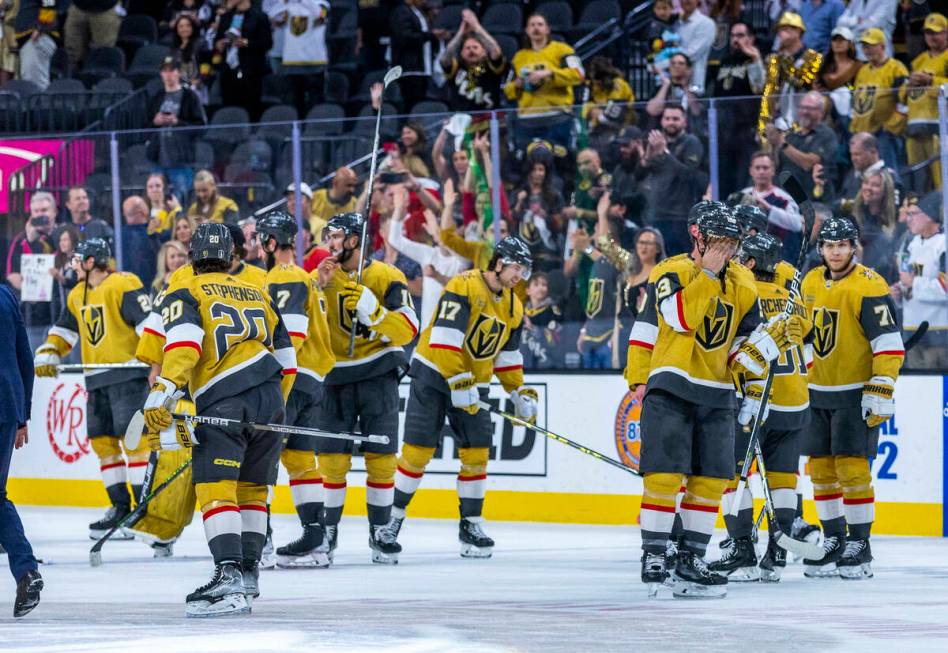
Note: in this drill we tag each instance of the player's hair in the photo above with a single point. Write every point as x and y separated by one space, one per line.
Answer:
210 265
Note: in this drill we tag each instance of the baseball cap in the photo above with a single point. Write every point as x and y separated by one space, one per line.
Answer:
845 32
935 23
304 189
873 36
931 206
169 62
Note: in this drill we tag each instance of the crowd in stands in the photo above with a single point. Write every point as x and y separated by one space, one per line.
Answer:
598 167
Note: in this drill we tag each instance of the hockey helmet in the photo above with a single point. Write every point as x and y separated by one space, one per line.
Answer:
835 229
718 222
765 249
97 248
278 225
236 236
512 250
350 223
751 217
212 241
702 207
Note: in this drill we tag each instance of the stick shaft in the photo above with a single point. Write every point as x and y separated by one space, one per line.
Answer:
279 428
79 367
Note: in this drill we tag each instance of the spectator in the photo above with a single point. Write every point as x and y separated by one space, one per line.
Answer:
610 102
542 77
542 321
37 37
875 213
862 15
77 203
64 239
920 93
913 18
697 35
413 47
388 254
253 249
202 10
474 65
184 227
670 177
740 75
677 87
8 42
241 42
922 286
820 17
840 66
139 251
460 160
537 210
175 105
625 185
34 239
340 197
864 154
413 148
194 60
811 143
306 203
875 97
782 212
591 182
163 207
791 69
725 14
659 34
208 206
305 53
91 24
649 250
374 25
171 256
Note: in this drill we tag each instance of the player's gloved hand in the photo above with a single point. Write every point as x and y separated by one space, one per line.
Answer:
360 299
525 403
45 361
464 394
753 395
761 347
878 405
179 434
795 330
159 403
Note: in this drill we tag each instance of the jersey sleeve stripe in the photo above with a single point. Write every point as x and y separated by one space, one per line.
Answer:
152 332
674 313
410 317
511 368
297 334
644 333
448 347
446 336
894 352
68 335
887 343
186 332
286 356
508 360
643 345
296 324
183 343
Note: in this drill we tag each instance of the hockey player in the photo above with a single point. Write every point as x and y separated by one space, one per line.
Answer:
779 437
225 341
302 306
857 352
107 311
701 322
363 387
754 221
475 335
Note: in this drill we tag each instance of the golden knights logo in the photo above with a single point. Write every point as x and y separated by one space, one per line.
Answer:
93 318
825 327
485 337
298 25
594 299
864 98
716 326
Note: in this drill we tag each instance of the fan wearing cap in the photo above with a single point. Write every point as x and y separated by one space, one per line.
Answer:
340 197
790 70
920 93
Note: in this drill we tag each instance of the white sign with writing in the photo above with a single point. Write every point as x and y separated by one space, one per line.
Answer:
37 281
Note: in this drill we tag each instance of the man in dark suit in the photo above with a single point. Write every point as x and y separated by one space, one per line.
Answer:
16 391
414 46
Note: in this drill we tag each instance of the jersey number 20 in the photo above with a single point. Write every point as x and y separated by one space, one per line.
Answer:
241 324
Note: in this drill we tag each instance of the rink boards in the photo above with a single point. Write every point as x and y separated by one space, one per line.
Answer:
532 478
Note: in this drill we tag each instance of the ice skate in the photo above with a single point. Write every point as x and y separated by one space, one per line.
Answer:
250 570
854 564
739 562
27 593
671 552
222 596
162 549
772 564
331 533
693 579
385 549
268 557
474 541
825 567
309 550
807 532
654 572
112 517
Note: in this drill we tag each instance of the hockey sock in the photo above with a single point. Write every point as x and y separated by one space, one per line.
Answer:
699 511
799 512
472 481
658 510
379 486
112 466
783 490
858 494
306 485
252 499
408 473
828 495
333 467
742 524
222 523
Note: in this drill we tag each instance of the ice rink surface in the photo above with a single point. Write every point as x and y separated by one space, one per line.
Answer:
547 588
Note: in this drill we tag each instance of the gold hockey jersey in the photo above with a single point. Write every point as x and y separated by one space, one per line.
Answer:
109 320
475 330
685 337
222 337
855 335
152 343
875 97
303 308
923 101
378 349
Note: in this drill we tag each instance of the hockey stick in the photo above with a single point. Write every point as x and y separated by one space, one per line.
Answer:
81 367
559 438
916 336
95 553
393 73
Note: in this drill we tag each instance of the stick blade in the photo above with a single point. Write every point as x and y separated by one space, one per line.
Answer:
804 550
133 433
378 439
95 558
793 187
393 73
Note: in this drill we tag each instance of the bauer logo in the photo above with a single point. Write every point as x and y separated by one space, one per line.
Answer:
66 422
627 431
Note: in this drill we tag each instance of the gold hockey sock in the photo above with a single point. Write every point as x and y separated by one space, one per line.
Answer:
379 486
333 467
472 481
828 495
306 485
699 511
222 523
858 494
657 515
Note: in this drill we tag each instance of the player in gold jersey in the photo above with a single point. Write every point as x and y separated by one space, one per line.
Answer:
475 335
857 353
107 312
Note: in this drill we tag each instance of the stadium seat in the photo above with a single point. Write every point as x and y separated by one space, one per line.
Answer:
65 86
503 18
136 162
21 87
203 155
389 125
101 63
275 134
508 45
136 31
60 67
429 106
558 14
337 88
255 154
12 114
331 119
145 64
449 18
595 14
276 90
114 85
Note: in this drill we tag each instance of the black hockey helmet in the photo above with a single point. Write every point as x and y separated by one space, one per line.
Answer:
836 228
278 225
350 223
765 249
97 248
718 221
212 241
512 250
703 207
751 217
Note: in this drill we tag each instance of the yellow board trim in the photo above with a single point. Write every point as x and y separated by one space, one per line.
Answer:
501 505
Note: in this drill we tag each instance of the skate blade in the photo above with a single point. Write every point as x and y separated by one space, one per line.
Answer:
226 606
117 535
744 575
824 571
860 572
471 551
380 558
309 560
653 589
770 575
162 552
689 590
268 562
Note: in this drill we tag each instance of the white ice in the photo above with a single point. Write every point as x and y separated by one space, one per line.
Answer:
547 588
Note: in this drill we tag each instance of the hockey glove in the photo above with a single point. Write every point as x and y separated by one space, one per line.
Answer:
795 330
360 299
753 395
180 434
45 361
763 346
464 394
158 405
525 403
878 404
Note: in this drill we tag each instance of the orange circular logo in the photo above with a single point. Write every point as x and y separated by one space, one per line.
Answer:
65 422
627 431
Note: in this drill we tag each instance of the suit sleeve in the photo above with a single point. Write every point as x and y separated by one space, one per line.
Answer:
184 336
508 366
24 357
291 300
878 322
642 339
400 324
